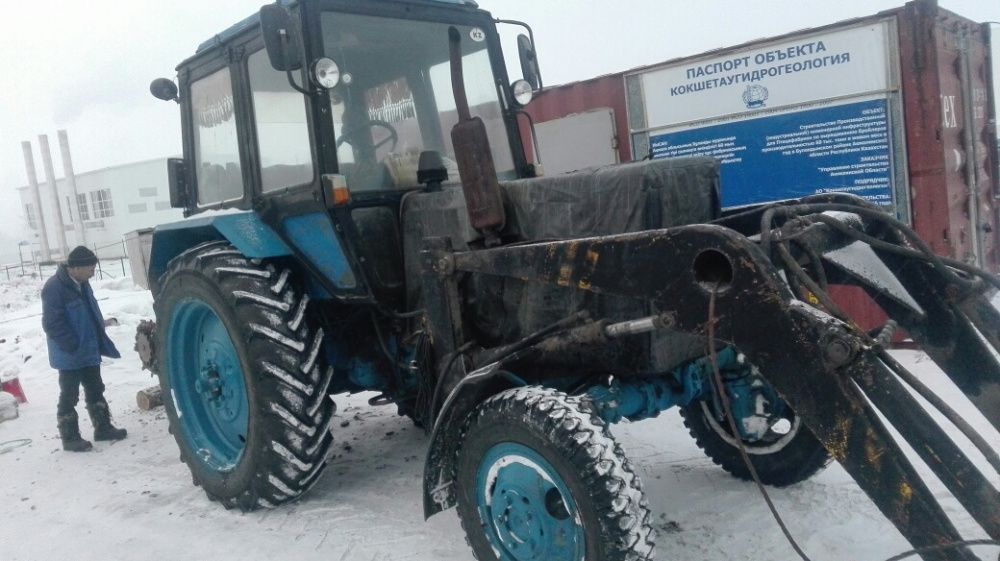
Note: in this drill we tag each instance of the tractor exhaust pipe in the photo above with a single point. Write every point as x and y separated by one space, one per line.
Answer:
475 161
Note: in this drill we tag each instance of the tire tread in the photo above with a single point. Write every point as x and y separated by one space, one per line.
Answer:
573 427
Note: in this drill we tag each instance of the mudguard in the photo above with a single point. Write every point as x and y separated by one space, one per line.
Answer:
446 437
311 235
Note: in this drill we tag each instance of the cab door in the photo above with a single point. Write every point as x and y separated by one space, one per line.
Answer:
289 188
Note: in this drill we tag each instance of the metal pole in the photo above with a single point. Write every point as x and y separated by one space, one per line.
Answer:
50 177
81 236
6 269
100 271
122 260
29 165
20 255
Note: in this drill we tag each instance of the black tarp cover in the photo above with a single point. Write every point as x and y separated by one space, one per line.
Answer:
595 202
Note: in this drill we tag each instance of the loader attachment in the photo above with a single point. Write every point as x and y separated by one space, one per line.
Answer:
769 287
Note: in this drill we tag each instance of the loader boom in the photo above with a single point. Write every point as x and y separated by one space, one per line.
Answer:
840 383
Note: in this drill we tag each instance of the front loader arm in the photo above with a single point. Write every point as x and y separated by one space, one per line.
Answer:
834 379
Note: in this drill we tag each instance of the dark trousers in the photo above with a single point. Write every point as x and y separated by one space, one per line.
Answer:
69 388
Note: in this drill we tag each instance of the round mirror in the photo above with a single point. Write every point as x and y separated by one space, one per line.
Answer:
326 73
522 92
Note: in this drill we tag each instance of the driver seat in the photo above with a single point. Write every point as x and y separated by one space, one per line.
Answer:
402 168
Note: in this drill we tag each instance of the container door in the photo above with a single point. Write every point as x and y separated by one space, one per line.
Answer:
964 71
578 141
952 144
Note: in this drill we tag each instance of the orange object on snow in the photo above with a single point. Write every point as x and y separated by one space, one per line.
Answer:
13 387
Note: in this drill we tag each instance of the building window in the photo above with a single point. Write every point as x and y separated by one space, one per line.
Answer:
147 191
162 205
101 200
136 208
29 213
81 206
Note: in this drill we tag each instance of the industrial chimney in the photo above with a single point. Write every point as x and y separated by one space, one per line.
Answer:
50 178
29 164
74 208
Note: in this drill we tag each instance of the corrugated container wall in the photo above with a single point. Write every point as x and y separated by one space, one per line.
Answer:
951 143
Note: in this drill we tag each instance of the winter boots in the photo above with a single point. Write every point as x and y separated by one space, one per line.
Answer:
69 432
100 416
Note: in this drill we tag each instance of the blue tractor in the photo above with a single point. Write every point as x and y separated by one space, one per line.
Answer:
360 215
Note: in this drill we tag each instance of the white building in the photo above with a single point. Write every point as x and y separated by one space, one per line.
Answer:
111 202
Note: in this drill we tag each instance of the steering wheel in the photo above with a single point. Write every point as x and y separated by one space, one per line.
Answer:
346 135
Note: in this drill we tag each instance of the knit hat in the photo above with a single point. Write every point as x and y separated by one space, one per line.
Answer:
81 257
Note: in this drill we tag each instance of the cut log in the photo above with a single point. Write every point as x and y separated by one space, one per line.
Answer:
149 398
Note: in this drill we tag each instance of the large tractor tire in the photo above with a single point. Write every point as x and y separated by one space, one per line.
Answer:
786 455
539 477
246 379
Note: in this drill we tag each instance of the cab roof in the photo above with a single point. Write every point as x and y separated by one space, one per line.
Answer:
254 20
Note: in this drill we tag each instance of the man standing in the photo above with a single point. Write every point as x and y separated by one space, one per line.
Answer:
77 340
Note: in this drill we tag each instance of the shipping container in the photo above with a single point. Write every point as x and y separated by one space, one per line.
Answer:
896 107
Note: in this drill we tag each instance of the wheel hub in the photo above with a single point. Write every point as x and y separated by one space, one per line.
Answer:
514 516
529 513
207 381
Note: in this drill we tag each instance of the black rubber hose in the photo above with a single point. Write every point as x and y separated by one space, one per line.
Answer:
877 215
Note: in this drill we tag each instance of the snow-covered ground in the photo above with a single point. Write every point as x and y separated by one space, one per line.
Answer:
134 499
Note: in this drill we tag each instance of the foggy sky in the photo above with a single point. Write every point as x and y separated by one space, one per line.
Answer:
86 66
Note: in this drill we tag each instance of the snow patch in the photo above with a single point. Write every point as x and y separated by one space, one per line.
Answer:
135 494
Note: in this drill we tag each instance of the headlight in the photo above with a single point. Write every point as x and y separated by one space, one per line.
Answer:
522 92
326 73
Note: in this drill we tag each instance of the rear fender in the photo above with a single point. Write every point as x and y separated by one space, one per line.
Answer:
244 230
312 236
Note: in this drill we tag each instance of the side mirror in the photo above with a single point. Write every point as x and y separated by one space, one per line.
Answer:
281 37
165 89
529 61
177 182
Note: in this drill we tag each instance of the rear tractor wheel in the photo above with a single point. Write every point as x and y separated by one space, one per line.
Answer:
247 381
540 478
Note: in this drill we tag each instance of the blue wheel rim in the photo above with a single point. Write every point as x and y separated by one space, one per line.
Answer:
206 379
527 510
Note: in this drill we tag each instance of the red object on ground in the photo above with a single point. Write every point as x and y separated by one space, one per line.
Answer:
13 387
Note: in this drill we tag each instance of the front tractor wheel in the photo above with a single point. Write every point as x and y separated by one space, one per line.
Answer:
242 365
540 478
782 450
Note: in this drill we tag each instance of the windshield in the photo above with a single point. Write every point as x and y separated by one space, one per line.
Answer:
395 98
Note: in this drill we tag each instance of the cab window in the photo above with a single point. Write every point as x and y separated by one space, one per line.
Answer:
216 147
395 98
282 129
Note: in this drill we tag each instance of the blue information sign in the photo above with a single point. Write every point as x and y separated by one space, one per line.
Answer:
844 148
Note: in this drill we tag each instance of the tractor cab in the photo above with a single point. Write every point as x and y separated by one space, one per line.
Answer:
321 116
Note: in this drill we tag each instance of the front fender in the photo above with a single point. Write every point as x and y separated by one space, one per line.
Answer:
449 430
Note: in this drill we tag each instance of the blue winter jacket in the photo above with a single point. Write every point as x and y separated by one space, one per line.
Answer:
74 324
